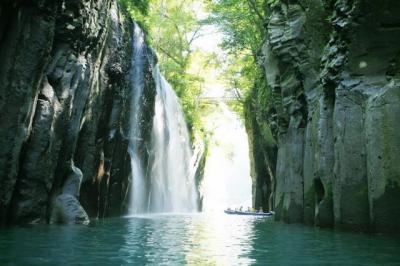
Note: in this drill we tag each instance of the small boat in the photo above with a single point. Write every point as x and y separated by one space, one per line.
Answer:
258 214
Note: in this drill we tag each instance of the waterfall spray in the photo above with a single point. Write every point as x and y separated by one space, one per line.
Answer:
168 184
137 204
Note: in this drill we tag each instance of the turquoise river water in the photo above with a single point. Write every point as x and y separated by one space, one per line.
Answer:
198 239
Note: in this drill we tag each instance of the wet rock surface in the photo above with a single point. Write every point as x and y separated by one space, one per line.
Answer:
65 100
332 68
66 208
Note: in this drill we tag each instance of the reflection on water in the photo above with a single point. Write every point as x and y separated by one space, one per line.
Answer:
187 239
215 240
192 240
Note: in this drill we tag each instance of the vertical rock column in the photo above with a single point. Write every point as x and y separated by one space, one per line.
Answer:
262 151
64 108
284 54
373 61
26 38
361 69
335 97
301 115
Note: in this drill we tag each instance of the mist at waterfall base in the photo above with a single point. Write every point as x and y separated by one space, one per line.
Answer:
167 183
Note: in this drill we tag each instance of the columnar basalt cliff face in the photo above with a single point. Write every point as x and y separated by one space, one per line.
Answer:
333 71
262 148
64 110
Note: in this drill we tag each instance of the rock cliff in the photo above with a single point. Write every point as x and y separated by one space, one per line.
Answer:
333 107
64 110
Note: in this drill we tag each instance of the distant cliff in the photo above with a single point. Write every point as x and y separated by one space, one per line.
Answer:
65 110
332 104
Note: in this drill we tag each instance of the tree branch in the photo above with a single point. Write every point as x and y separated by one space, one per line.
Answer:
195 35
238 95
253 6
171 56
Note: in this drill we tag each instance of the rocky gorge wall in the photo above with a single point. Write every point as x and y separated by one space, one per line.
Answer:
332 72
65 110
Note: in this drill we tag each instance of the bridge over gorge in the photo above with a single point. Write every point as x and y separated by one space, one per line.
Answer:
226 99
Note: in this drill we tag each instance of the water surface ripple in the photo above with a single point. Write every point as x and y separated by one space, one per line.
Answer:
196 239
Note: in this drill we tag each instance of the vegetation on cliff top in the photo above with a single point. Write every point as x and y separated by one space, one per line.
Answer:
174 26
242 24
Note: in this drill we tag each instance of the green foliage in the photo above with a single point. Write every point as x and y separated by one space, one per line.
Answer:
272 3
242 23
172 26
138 9
141 6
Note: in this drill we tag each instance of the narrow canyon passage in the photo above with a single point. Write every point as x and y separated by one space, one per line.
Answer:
129 127
226 182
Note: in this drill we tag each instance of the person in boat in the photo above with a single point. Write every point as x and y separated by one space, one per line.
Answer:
248 209
241 209
261 210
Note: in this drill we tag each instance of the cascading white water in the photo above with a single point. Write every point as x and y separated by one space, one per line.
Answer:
169 185
138 203
172 181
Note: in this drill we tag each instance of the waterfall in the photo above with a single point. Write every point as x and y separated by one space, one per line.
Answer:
168 184
172 181
138 190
